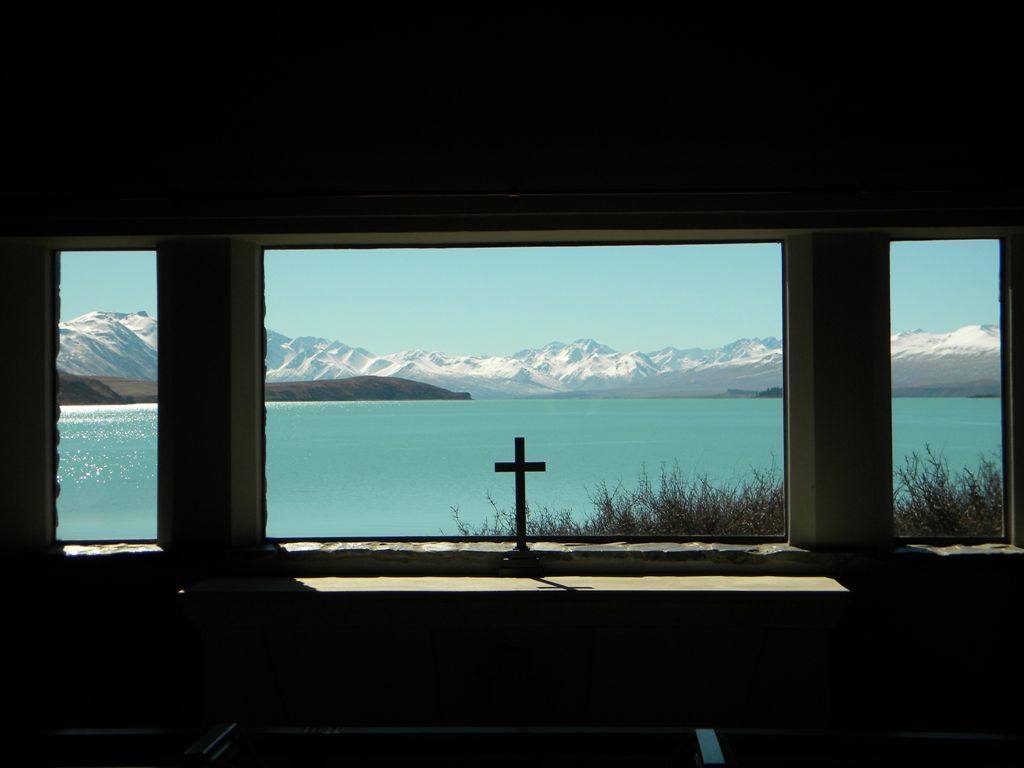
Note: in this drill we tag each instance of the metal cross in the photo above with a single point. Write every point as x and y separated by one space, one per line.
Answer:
520 466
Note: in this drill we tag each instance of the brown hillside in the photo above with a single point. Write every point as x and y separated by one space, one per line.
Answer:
359 388
103 390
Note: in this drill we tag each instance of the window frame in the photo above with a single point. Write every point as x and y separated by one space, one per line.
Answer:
27 520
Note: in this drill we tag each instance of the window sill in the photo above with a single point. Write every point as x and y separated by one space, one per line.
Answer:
947 550
107 549
483 558
616 558
476 558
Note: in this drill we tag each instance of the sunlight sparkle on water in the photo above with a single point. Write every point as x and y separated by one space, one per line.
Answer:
107 472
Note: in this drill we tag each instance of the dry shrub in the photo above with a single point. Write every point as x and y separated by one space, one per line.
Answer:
678 505
929 500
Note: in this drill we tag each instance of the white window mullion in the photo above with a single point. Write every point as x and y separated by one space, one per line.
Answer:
839 424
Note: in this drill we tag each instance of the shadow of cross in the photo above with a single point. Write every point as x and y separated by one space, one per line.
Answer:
520 466
555 585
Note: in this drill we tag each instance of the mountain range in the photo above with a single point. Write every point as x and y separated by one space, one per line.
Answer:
965 362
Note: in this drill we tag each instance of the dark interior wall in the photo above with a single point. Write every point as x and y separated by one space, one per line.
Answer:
495 108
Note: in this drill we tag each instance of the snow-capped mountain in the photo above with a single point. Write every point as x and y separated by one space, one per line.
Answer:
109 344
124 345
970 341
968 354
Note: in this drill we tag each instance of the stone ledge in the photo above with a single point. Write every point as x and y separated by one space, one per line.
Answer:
482 558
100 550
947 550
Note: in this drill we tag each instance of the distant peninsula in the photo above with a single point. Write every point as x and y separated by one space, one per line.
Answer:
103 390
108 390
358 388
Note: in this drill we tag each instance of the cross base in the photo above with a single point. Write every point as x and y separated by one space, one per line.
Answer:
522 563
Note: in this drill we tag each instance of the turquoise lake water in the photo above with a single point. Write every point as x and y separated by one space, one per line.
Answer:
398 468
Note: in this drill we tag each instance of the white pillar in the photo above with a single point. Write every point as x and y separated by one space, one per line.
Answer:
28 438
211 394
838 391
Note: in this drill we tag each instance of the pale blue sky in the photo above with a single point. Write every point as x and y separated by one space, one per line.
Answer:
497 301
500 300
114 281
942 285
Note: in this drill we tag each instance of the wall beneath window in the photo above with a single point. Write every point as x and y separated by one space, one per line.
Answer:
926 643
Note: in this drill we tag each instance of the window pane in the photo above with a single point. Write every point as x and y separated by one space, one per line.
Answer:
946 410
107 368
648 378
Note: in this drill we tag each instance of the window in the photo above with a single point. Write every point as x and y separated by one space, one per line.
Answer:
647 377
107 391
237 518
946 377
